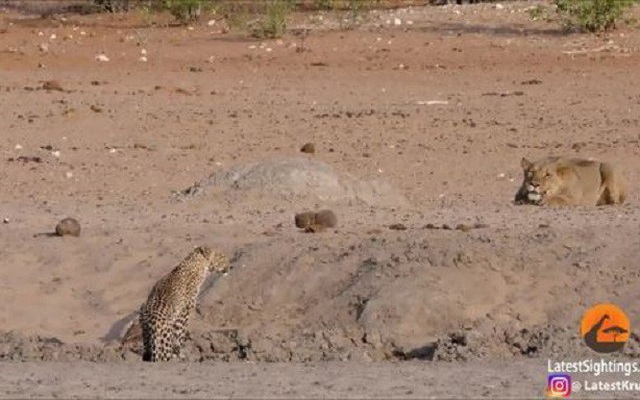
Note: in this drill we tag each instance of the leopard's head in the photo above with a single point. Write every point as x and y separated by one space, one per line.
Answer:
218 261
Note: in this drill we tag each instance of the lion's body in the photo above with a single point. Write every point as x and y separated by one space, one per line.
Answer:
558 181
164 317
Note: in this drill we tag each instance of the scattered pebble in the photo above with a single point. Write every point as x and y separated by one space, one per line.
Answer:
532 82
26 159
398 227
102 58
459 227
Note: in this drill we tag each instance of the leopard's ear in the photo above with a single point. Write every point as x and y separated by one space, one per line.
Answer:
526 164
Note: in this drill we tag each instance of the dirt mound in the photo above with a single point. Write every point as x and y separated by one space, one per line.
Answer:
418 293
298 178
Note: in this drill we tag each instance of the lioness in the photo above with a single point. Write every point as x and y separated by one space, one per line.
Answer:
557 181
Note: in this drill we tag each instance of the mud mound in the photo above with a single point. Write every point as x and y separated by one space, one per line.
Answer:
299 178
420 293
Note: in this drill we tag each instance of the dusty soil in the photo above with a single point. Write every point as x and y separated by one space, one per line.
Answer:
418 128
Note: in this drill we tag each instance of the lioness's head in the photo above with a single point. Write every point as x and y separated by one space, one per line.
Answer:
541 178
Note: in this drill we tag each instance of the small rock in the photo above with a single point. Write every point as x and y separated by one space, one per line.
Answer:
43 47
397 21
68 227
315 222
532 82
309 148
28 159
102 58
398 227
446 227
6 220
464 227
52 85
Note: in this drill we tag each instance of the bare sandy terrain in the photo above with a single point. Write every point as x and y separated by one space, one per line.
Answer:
419 128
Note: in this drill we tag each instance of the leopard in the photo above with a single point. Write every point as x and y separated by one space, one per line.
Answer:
563 181
164 316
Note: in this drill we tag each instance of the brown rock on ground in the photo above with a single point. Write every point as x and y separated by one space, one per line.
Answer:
68 227
308 148
52 85
316 221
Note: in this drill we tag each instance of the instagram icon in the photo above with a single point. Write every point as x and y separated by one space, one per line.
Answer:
559 385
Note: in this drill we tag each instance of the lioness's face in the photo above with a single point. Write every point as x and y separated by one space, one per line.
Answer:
539 180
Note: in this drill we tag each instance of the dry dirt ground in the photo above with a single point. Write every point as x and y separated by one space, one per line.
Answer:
419 117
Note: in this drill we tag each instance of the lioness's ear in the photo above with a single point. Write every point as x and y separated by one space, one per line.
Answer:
526 164
562 171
